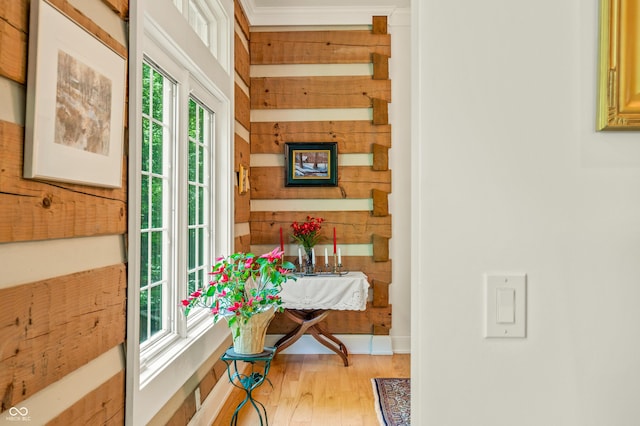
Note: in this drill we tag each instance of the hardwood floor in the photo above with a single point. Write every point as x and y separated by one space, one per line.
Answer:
318 390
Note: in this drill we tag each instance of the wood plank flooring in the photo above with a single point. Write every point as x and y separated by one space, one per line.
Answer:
318 390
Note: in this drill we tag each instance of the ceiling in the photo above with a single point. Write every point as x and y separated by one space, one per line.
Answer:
325 3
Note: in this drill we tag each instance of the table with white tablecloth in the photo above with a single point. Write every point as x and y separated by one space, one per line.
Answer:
310 298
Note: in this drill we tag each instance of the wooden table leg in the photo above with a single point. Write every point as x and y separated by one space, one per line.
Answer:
309 321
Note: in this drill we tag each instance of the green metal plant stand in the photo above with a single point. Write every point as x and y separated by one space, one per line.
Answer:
248 382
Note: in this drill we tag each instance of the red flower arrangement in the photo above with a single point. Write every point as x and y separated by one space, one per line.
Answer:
307 234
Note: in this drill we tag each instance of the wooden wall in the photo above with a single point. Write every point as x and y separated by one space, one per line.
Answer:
242 107
370 227
51 327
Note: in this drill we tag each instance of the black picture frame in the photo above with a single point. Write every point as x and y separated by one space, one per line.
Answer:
321 171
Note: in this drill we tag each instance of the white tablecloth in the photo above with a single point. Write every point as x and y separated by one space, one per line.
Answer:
341 293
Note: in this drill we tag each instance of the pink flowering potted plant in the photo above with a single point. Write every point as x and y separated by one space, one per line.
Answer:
245 290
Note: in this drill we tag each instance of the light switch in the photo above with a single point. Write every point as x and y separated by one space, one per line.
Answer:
505 305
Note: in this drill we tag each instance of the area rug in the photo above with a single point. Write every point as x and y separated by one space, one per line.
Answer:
392 400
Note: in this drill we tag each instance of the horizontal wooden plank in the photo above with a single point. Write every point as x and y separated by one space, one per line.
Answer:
215 374
317 47
341 322
352 227
317 92
242 243
352 136
37 210
13 53
102 406
121 7
241 206
16 13
52 327
242 154
241 60
353 182
241 19
242 109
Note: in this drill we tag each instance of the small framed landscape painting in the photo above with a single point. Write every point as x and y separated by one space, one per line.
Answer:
311 164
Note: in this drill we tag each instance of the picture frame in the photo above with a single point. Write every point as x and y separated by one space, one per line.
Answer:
311 164
618 105
74 124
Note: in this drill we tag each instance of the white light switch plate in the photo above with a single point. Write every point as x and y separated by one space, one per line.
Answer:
505 301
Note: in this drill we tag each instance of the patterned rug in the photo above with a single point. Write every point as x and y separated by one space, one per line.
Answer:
393 401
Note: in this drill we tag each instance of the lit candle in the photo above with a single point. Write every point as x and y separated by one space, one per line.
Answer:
326 256
334 240
281 240
339 257
313 256
299 256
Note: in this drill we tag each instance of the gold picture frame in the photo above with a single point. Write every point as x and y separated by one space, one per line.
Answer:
619 66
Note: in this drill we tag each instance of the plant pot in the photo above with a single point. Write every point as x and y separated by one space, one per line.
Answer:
250 339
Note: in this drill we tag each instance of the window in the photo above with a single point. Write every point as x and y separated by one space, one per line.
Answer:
209 21
180 197
161 201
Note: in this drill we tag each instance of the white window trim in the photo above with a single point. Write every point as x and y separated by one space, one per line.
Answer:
153 21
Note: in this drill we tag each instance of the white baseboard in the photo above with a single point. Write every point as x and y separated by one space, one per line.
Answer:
212 404
401 344
355 343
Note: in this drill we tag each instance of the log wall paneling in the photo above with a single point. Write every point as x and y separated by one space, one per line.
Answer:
351 136
242 243
380 294
185 412
241 59
102 406
380 157
13 52
380 111
379 25
121 7
242 109
380 66
217 372
241 153
15 12
35 210
241 19
51 327
380 248
380 203
317 92
342 322
353 182
317 47
352 227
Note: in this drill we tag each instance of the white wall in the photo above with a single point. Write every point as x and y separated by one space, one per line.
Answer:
509 175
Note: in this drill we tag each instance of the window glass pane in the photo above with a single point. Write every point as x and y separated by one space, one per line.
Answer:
201 206
193 284
144 259
157 147
156 202
200 126
144 202
156 309
192 204
146 85
192 119
192 248
192 162
157 95
200 282
146 134
144 315
201 164
200 246
156 256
